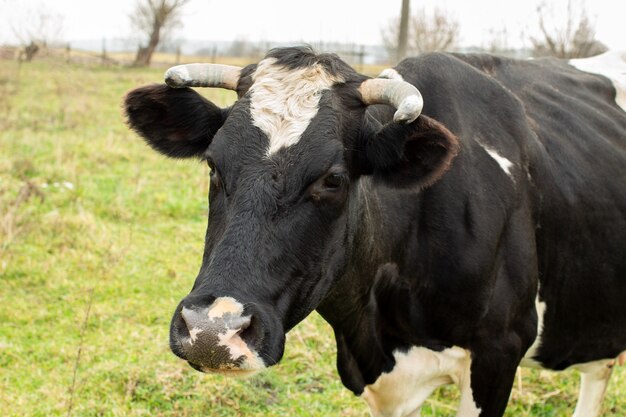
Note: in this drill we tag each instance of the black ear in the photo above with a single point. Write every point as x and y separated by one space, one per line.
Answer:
413 155
177 122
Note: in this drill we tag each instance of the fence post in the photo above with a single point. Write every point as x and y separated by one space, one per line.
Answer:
362 58
104 51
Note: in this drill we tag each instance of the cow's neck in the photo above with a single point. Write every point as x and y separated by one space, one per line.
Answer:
368 307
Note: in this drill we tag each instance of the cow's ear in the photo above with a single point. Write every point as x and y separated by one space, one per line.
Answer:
413 155
178 122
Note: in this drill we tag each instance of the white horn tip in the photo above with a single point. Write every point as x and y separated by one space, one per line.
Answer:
177 76
390 74
409 109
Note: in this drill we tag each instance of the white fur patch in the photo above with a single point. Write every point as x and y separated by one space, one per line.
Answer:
416 374
503 162
284 101
611 64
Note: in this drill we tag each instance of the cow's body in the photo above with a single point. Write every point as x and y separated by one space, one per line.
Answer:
516 254
536 196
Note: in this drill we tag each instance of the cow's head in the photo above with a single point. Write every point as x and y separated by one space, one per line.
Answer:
285 160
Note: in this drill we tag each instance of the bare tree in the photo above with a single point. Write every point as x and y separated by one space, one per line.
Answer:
497 41
242 47
573 37
41 29
434 32
155 19
389 35
428 32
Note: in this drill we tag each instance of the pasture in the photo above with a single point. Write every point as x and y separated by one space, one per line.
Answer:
100 237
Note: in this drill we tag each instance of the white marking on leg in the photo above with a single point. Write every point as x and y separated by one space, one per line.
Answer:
528 359
594 378
416 374
467 405
504 163
284 101
611 64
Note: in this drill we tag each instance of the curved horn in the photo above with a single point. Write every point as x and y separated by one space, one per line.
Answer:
403 96
203 75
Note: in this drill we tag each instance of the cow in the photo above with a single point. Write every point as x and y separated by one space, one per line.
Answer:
452 219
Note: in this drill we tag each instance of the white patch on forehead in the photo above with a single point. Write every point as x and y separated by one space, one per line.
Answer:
225 305
504 163
416 374
611 64
284 101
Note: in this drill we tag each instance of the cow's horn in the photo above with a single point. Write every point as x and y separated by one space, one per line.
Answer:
203 75
403 96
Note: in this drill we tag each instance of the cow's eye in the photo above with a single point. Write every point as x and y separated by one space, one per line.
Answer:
215 176
330 189
333 181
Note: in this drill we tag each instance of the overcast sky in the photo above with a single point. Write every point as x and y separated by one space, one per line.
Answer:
350 21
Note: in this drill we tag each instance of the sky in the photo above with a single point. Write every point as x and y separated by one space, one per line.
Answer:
311 21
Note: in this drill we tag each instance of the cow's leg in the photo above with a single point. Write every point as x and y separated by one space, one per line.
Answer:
467 405
492 377
594 378
416 413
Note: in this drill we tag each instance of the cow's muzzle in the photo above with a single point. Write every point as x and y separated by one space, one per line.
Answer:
220 338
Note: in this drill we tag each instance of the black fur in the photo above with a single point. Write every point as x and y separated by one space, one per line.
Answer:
177 122
304 56
410 155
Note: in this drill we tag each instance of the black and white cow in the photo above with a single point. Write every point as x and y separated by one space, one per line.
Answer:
447 246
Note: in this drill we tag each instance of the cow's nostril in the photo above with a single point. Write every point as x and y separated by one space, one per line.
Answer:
194 319
251 333
204 325
243 324
238 323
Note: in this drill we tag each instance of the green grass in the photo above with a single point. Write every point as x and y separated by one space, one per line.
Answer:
91 220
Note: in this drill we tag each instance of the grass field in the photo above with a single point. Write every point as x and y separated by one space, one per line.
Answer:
100 238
